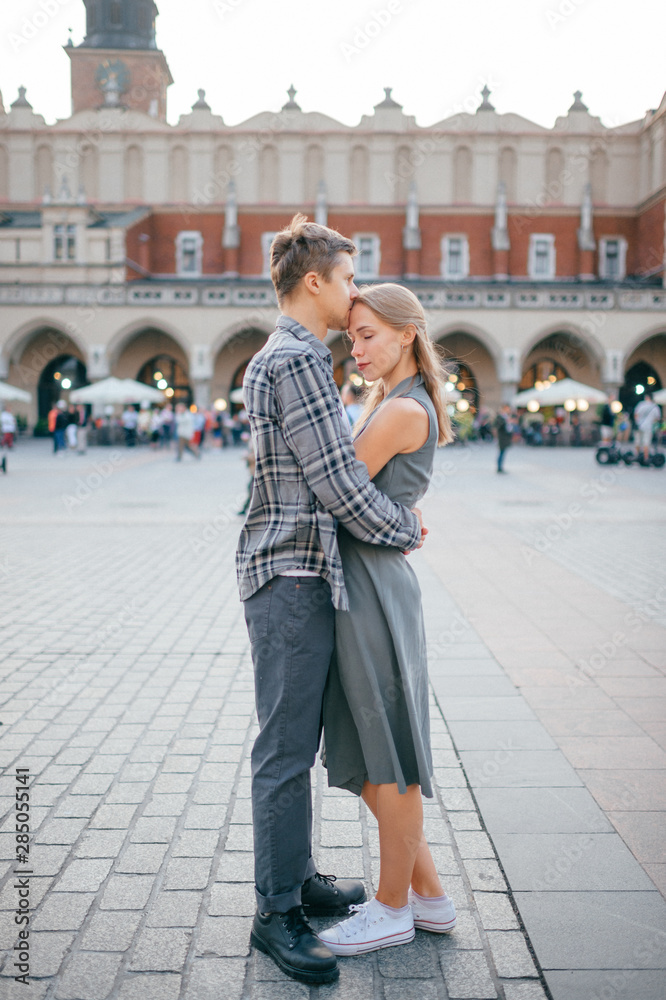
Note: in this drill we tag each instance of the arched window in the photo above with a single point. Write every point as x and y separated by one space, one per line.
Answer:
179 183
134 173
554 174
545 370
314 171
269 181
359 175
462 174
507 172
116 13
165 367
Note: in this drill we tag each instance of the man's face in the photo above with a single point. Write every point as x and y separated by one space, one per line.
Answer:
338 293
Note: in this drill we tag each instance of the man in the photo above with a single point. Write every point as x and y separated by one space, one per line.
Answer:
290 576
61 422
7 427
504 427
130 420
646 415
607 425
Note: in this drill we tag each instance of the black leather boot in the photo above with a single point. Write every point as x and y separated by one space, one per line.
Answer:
322 898
289 940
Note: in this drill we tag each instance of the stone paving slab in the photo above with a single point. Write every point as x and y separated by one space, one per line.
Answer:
126 687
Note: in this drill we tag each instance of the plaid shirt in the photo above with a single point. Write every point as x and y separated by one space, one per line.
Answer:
306 477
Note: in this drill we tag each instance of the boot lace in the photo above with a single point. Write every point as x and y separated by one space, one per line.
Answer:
296 923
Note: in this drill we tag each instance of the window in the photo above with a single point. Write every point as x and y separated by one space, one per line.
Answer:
266 240
455 257
116 13
143 19
612 258
367 261
189 252
64 242
541 264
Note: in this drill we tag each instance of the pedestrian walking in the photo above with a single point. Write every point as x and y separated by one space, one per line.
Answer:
130 421
504 427
60 427
646 415
307 480
71 430
7 427
376 721
82 429
185 432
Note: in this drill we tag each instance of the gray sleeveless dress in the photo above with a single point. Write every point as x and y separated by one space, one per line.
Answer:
376 720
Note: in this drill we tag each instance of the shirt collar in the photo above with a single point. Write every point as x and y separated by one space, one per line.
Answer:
301 332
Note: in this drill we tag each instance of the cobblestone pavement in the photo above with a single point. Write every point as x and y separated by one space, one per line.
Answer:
126 690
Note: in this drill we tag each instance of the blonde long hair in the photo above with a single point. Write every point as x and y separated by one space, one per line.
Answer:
396 306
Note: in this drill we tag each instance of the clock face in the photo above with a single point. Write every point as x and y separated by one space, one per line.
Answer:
113 74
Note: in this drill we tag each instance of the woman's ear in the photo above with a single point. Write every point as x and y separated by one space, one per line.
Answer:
408 335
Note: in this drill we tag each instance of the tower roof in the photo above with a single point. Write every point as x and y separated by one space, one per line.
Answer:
120 24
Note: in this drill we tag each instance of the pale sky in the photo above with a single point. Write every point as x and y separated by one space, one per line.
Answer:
436 54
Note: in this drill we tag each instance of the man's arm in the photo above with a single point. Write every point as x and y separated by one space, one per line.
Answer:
318 435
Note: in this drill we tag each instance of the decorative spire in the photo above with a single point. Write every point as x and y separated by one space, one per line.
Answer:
321 205
21 101
291 104
388 101
201 104
578 103
485 104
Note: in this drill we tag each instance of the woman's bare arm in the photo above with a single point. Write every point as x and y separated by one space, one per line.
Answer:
402 426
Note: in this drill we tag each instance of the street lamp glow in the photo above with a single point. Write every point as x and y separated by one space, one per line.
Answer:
533 405
66 383
157 376
57 375
616 406
582 405
162 384
640 389
569 405
168 392
462 405
220 404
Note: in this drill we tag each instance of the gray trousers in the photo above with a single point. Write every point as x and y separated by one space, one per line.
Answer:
290 621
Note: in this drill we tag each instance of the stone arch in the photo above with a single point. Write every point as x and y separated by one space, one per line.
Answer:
460 345
232 354
134 173
579 354
508 170
179 174
269 180
358 175
649 350
462 174
154 335
31 349
314 172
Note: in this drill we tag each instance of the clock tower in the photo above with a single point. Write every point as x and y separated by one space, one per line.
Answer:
118 64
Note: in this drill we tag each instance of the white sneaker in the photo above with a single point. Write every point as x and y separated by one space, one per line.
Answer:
369 928
438 916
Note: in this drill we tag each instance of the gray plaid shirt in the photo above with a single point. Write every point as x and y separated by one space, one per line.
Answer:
306 477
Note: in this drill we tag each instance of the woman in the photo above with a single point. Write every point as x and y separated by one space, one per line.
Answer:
376 724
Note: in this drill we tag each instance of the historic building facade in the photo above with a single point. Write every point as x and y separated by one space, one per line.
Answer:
130 246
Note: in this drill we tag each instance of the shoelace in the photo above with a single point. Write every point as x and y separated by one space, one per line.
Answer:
358 922
324 878
296 923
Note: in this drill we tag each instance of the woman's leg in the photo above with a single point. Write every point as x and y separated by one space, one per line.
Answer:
404 854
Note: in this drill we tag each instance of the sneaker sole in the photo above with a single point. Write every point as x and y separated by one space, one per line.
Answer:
301 974
435 928
358 949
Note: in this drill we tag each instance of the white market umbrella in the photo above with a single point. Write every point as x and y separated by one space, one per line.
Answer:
236 396
11 392
659 397
557 393
117 390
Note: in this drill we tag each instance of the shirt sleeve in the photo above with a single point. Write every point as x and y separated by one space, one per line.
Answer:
318 435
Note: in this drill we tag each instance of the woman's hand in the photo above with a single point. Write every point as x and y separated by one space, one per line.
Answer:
424 530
